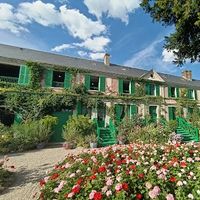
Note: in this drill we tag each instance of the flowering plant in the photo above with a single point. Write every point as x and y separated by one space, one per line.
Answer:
135 171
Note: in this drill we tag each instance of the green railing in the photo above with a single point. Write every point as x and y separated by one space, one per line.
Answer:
99 139
58 84
112 128
188 128
9 79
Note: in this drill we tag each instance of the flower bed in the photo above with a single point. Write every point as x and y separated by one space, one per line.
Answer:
134 171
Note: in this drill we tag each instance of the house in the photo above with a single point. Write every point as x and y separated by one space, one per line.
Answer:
130 90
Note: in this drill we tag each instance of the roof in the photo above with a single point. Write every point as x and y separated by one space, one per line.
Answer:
16 56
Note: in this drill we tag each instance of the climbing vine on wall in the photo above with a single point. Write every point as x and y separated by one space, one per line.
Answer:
36 71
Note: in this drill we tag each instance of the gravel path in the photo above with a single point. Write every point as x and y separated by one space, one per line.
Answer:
30 168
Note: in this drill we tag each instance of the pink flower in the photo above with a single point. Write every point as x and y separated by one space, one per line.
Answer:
70 195
118 187
109 182
170 197
154 193
91 195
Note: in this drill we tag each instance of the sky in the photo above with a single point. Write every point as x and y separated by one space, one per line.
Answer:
88 29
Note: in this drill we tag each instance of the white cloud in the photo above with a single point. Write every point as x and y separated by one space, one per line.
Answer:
112 8
168 56
46 14
151 58
8 19
95 44
42 13
96 56
82 53
62 47
79 25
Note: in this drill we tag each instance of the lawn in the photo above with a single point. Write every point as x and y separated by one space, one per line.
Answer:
134 171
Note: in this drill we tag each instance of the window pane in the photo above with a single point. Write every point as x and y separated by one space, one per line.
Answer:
58 79
172 91
126 86
152 89
94 83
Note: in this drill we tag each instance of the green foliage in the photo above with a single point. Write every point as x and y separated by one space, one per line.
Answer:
136 129
185 16
35 74
77 128
27 135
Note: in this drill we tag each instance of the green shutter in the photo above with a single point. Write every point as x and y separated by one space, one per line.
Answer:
79 108
118 110
87 81
157 90
68 80
177 92
147 89
48 77
24 75
169 92
132 87
134 110
120 86
102 83
195 93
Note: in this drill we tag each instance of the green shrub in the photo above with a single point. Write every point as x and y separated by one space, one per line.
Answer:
77 128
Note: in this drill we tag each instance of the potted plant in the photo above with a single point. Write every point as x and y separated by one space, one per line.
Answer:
92 140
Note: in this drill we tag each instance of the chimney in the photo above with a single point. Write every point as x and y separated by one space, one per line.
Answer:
107 59
187 74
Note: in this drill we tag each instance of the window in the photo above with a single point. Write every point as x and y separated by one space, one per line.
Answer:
126 85
9 73
192 94
58 79
94 83
173 91
152 89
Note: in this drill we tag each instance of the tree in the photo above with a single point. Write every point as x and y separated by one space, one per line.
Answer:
185 16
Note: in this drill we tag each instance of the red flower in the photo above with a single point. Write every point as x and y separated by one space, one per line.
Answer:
76 189
93 177
141 176
123 161
97 196
173 179
42 182
54 176
125 186
102 169
183 164
79 181
133 167
138 196
118 162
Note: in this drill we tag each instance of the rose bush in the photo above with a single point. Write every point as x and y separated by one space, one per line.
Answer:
135 171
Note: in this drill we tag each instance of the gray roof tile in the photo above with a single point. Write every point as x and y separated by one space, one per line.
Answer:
19 55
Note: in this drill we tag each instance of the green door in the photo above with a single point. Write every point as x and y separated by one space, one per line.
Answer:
119 112
172 113
57 130
101 114
153 113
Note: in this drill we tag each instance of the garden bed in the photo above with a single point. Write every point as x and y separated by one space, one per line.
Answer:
135 171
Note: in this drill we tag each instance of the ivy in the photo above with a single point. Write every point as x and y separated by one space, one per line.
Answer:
36 71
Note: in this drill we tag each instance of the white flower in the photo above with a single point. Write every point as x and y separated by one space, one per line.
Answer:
190 196
198 192
184 182
179 183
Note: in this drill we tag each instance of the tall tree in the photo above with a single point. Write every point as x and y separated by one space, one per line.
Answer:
185 16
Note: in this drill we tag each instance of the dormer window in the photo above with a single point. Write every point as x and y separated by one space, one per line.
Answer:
152 89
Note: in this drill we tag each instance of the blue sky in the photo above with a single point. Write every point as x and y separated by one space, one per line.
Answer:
88 29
